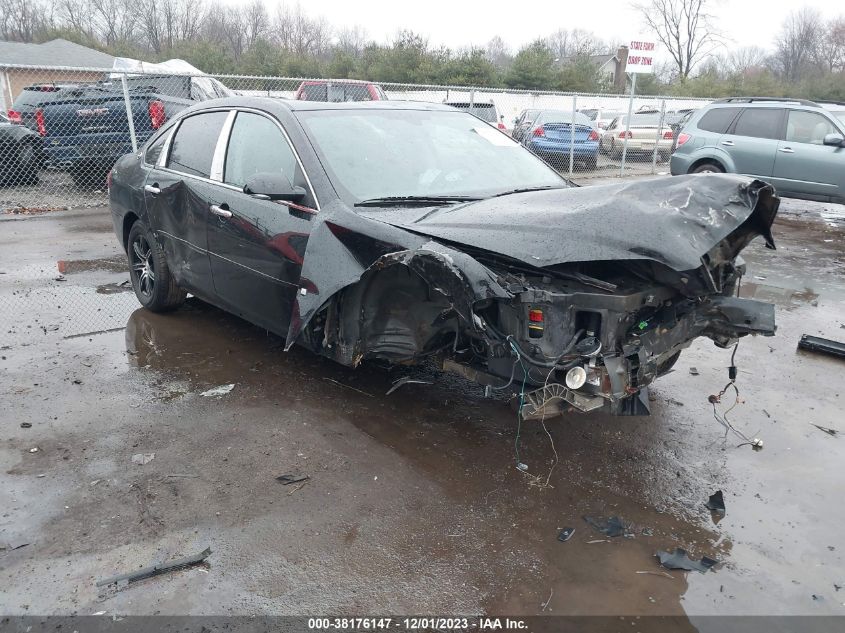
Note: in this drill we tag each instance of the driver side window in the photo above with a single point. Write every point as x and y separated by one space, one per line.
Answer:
257 145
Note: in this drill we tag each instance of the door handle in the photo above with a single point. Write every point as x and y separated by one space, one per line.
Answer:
728 143
220 210
786 150
152 189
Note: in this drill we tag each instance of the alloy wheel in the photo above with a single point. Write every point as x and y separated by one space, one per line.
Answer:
143 269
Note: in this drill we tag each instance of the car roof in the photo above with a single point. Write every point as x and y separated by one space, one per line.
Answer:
297 105
320 82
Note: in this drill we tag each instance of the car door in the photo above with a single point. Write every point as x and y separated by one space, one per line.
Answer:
175 191
804 164
256 246
752 140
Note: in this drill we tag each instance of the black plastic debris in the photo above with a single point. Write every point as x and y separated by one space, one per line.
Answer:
565 534
679 560
26 425
829 431
693 371
291 479
613 526
716 503
822 345
155 570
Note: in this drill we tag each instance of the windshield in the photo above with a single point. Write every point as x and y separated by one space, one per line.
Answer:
839 114
383 153
484 111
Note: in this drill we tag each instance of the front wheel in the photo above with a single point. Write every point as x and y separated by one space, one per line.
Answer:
151 279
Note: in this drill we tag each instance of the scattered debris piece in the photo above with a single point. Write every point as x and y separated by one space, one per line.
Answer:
180 476
222 390
677 403
693 371
407 380
822 345
546 603
26 425
829 431
768 415
647 531
34 449
12 545
818 598
340 384
291 479
522 467
95 482
155 570
565 534
143 458
613 526
598 540
656 573
679 560
716 503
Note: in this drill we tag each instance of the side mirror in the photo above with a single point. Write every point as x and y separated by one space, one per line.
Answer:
272 186
837 140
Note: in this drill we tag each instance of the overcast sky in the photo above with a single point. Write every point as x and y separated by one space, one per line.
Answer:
457 23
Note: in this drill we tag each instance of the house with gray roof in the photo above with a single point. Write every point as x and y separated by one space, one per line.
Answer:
48 57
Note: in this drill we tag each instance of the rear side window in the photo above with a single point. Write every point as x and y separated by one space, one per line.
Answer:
257 145
154 150
717 120
194 143
808 127
760 123
314 92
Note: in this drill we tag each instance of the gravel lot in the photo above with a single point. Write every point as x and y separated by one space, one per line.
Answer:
414 504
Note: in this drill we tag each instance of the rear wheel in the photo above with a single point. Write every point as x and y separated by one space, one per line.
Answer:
151 279
708 168
89 175
592 163
26 170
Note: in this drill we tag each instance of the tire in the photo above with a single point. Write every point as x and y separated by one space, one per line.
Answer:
152 282
26 170
708 168
89 175
614 152
592 163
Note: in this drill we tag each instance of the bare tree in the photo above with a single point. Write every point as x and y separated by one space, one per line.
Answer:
829 49
300 34
22 20
115 21
498 53
745 59
796 42
351 40
566 43
684 28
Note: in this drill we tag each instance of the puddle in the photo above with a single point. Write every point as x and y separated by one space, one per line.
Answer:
786 297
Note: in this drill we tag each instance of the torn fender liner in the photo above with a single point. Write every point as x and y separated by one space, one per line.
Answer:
354 245
674 221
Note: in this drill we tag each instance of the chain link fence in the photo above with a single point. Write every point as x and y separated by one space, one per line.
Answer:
63 129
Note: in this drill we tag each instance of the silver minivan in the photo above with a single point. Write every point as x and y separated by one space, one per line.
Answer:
797 145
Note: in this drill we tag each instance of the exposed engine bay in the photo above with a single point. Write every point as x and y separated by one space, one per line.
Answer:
566 333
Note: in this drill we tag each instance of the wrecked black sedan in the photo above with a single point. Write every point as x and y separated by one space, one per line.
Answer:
410 232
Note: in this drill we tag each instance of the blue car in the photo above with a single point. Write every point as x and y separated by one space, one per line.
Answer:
551 136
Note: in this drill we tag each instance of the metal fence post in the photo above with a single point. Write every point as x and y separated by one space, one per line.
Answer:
659 136
129 118
628 123
572 136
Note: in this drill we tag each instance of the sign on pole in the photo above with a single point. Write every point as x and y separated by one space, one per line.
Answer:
640 57
640 60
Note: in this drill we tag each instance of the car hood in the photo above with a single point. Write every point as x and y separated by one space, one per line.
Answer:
671 220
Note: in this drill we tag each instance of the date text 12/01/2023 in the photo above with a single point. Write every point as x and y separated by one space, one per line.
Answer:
417 623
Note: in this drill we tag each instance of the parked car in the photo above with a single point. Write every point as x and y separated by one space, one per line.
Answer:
20 151
484 110
551 136
601 118
795 144
522 123
85 129
450 242
339 91
644 133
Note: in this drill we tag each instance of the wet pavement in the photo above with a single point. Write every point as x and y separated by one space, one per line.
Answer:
414 503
